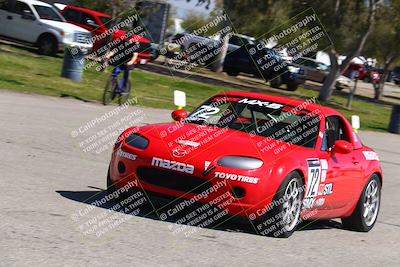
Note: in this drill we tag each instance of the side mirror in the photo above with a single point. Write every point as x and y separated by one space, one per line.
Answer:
92 23
342 147
28 16
179 115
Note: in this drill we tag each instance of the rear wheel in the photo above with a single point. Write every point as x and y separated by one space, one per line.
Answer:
367 209
276 82
109 91
292 86
232 73
48 45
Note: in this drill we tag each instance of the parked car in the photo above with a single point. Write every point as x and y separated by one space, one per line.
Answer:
201 50
343 82
265 63
364 72
97 23
396 75
40 24
314 70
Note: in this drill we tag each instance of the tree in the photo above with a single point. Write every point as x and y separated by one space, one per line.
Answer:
113 7
349 24
246 19
384 41
193 22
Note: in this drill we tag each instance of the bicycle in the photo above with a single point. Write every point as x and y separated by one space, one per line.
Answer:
115 88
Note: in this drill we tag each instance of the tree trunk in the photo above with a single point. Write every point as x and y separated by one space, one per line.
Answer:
383 78
329 83
218 64
327 88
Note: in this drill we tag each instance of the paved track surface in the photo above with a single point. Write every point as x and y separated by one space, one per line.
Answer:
45 178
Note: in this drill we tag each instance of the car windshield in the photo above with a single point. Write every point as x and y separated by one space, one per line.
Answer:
105 20
46 12
259 117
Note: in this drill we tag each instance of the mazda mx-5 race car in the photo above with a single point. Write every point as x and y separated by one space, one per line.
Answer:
273 160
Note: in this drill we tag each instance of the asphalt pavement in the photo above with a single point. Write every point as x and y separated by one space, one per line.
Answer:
54 155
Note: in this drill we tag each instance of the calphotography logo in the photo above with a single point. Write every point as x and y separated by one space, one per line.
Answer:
172 165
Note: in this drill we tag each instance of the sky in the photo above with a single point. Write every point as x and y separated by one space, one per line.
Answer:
183 7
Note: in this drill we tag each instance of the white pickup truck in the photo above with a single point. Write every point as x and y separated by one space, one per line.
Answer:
41 25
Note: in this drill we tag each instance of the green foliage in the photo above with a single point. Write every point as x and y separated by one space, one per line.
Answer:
384 40
101 6
344 21
26 72
194 21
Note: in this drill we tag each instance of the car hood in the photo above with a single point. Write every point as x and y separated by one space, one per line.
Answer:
63 26
195 141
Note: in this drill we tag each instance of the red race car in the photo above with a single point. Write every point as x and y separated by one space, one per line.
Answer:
272 160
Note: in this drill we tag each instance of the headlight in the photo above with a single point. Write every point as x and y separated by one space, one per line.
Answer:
238 162
293 69
68 37
137 141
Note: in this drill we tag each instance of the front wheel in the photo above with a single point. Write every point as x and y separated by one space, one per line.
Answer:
47 45
338 87
367 209
124 95
285 215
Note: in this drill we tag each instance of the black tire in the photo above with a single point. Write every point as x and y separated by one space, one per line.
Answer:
276 82
110 186
338 88
124 96
109 91
357 221
276 224
232 73
47 45
111 189
292 86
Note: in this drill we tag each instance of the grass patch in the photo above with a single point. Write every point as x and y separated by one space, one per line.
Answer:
26 72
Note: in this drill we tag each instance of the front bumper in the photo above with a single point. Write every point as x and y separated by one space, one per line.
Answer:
195 188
